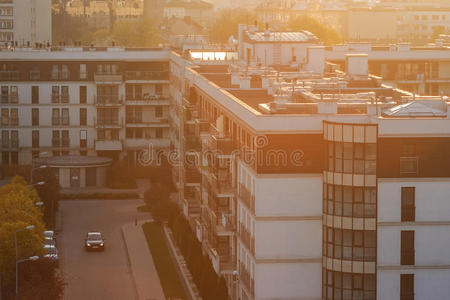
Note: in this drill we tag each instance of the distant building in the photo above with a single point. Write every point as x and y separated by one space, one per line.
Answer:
424 70
198 10
268 48
25 21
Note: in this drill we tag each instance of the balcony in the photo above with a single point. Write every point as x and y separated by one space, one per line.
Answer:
108 77
34 75
146 75
192 176
222 187
192 144
108 145
63 75
12 99
221 145
246 238
138 122
247 198
65 142
60 98
147 100
9 75
192 201
225 224
409 165
202 127
56 142
246 280
108 100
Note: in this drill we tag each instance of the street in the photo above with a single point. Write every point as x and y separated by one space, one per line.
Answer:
95 275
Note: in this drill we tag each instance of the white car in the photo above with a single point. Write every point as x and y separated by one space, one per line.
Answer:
51 252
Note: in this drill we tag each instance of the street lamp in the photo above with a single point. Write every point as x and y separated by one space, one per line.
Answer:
34 169
31 258
37 183
29 227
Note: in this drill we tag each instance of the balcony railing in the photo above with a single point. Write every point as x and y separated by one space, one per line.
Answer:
56 142
108 100
9 98
9 75
246 279
201 127
222 145
409 165
65 142
60 98
35 75
108 77
192 175
147 75
222 187
108 122
63 75
247 198
247 238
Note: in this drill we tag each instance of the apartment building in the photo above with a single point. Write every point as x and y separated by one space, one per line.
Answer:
25 22
315 184
423 70
83 101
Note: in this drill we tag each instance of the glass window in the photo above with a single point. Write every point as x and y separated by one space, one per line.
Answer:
370 151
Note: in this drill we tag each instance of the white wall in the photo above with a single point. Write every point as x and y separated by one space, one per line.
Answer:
280 195
288 281
431 237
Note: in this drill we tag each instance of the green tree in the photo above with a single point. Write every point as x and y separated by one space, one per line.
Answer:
326 34
226 24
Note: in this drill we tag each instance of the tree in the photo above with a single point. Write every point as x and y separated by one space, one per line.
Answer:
18 210
226 24
135 34
49 194
326 34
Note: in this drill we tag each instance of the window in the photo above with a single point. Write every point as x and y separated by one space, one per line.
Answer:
5 116
55 116
35 138
14 139
65 116
159 133
14 94
35 94
408 204
158 112
14 158
55 138
35 116
83 138
407 248
5 139
83 116
83 94
158 89
5 158
55 94
14 116
83 71
64 72
65 138
406 286
64 94
5 94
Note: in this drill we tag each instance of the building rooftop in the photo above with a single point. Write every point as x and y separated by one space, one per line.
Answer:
285 37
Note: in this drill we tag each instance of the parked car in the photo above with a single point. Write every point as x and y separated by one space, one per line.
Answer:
49 234
94 241
51 252
49 242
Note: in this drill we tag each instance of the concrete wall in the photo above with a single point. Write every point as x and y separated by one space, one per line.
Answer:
432 236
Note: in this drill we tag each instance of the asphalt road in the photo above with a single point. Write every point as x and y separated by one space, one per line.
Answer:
95 275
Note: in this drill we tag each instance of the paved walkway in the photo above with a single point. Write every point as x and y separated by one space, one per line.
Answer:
143 269
142 265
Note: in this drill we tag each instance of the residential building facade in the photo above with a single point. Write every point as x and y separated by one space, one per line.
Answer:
25 22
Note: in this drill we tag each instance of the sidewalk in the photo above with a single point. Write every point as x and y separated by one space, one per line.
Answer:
143 271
